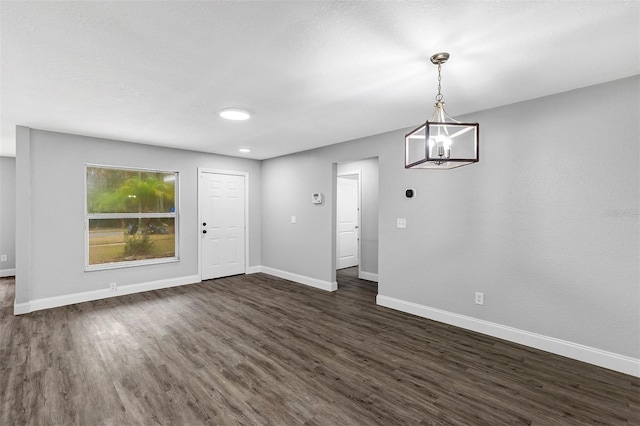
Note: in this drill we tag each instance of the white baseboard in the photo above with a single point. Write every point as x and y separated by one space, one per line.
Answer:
87 296
612 361
369 276
253 269
21 308
313 282
8 272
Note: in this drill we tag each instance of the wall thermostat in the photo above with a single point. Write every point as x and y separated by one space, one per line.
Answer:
409 193
316 198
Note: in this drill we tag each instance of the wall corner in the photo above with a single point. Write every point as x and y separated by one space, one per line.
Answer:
23 216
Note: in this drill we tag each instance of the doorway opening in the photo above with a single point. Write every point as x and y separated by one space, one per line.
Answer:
356 219
348 205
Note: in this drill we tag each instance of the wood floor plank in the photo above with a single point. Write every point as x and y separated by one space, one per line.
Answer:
259 350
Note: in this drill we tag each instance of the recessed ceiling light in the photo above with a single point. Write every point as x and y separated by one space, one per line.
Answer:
244 150
234 114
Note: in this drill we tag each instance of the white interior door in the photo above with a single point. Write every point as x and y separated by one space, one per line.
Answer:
348 217
222 225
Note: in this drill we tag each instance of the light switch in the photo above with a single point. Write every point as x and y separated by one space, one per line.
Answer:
293 219
402 222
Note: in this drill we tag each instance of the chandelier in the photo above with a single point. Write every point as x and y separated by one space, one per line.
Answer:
442 142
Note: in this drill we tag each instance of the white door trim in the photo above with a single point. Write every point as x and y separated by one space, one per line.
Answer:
201 171
359 174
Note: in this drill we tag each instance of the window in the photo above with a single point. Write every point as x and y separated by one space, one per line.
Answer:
130 217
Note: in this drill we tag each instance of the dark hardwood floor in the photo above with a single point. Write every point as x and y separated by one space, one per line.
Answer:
259 350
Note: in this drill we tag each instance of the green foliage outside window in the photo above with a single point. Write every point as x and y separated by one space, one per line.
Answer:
130 215
127 191
137 244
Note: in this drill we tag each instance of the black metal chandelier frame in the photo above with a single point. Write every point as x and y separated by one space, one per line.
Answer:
442 142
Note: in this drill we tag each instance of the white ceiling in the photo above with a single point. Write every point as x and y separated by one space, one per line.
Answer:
313 73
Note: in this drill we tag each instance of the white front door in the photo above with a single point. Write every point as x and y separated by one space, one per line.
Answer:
347 211
222 227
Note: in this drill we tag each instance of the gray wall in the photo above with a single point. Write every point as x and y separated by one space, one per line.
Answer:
546 225
8 214
308 247
301 248
369 211
51 248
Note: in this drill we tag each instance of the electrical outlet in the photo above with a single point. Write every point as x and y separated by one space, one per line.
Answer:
401 223
3 258
479 298
294 219
113 287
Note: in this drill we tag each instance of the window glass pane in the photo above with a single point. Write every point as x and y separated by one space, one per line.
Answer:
124 240
130 191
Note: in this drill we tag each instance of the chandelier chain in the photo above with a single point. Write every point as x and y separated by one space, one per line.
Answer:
439 95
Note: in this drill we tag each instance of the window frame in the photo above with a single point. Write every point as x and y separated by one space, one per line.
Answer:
89 216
